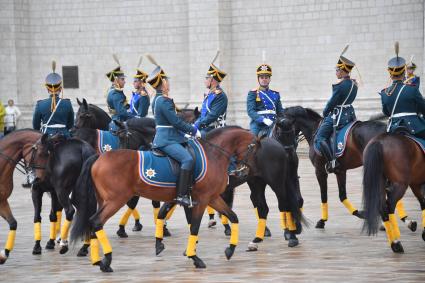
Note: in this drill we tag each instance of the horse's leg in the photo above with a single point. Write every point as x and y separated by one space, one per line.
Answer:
50 245
197 212
211 213
402 214
418 192
258 199
394 194
322 178
166 208
220 205
6 213
58 224
63 197
341 178
131 204
37 200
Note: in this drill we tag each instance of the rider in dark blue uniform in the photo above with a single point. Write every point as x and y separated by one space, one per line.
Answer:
411 79
214 106
171 132
263 104
116 100
139 103
401 102
54 114
338 111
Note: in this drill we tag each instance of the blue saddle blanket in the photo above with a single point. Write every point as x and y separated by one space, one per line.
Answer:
106 141
341 138
158 171
419 141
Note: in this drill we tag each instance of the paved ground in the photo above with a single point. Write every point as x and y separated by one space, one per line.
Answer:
338 253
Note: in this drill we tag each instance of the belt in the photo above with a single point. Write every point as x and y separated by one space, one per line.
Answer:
403 114
344 106
163 126
266 112
54 126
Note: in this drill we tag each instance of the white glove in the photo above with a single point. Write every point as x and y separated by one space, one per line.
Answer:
267 121
187 136
198 134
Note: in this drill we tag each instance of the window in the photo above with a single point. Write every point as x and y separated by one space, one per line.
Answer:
70 76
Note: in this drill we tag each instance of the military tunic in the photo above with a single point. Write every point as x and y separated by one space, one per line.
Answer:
117 104
60 122
343 95
139 104
261 104
410 103
213 112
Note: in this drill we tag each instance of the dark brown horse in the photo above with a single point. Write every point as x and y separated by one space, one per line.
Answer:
26 145
113 178
392 162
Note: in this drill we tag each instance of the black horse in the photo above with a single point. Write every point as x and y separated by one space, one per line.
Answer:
91 116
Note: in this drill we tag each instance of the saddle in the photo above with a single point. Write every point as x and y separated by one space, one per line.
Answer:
175 165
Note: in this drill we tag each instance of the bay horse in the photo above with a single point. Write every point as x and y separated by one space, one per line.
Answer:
21 144
101 193
307 121
392 162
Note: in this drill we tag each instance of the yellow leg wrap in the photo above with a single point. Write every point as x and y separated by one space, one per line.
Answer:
104 242
87 242
324 207
256 213
210 210
155 214
59 222
159 230
389 231
423 218
290 222
224 220
52 230
136 214
170 213
261 228
94 251
65 229
349 206
283 224
191 245
394 224
400 209
234 236
10 240
125 216
37 231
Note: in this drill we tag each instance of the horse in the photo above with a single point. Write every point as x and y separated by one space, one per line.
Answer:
98 186
21 144
307 121
91 116
392 162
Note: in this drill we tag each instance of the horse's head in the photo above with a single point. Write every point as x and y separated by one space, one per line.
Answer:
305 120
135 133
84 118
286 132
189 115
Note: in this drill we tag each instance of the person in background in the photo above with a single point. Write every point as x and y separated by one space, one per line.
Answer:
11 119
2 113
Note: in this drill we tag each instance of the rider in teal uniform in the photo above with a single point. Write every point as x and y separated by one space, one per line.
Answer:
411 79
263 104
402 102
171 132
54 114
139 103
338 111
116 100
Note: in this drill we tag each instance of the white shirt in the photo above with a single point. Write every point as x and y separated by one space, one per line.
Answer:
12 116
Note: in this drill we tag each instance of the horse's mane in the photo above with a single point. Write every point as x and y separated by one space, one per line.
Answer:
214 133
142 125
98 111
297 111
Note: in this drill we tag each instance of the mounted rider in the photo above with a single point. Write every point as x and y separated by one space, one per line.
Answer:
411 78
116 100
171 133
139 103
54 114
263 104
214 106
402 102
338 111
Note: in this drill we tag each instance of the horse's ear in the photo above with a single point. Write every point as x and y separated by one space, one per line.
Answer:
196 112
79 102
85 104
119 124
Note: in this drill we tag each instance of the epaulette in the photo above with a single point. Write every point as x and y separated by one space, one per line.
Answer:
274 91
254 90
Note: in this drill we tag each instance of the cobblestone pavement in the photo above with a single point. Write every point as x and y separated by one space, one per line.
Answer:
338 253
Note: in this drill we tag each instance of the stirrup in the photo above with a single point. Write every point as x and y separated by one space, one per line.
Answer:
185 200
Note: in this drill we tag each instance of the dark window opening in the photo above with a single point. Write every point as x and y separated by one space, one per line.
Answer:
70 76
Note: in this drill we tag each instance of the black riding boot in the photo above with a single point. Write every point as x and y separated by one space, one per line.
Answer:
183 184
326 151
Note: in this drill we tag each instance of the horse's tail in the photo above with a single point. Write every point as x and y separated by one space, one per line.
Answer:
84 199
373 186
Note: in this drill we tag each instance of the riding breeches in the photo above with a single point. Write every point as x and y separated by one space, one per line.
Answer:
179 153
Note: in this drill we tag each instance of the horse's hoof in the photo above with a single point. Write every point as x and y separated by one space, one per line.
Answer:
382 228
212 223
230 250
227 230
104 267
159 247
423 235
198 262
320 224
50 245
412 225
252 247
267 232
37 249
3 257
121 232
63 250
286 234
83 251
397 247
293 243
359 214
137 226
166 232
